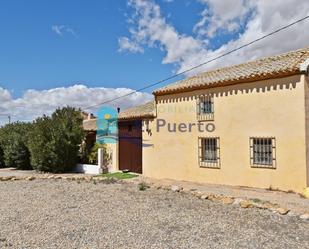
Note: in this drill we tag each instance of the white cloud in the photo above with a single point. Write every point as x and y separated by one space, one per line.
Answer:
152 30
61 29
57 29
226 16
35 103
4 95
127 45
247 20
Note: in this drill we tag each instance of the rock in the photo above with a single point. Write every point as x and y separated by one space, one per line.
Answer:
282 211
197 193
268 205
166 187
6 178
305 193
245 204
237 201
204 197
87 178
292 214
227 200
185 191
304 216
175 188
213 197
100 179
257 203
30 178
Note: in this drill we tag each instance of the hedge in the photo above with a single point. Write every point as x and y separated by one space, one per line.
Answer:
14 151
55 141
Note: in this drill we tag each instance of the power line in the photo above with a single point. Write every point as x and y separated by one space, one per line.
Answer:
192 68
202 64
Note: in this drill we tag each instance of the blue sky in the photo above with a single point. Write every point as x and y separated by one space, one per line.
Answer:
82 53
33 56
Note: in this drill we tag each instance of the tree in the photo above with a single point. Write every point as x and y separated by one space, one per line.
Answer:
13 143
55 141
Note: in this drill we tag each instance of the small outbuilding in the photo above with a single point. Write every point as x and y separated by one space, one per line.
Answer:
130 134
127 152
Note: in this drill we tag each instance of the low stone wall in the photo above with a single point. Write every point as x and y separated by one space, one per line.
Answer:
230 200
69 177
226 200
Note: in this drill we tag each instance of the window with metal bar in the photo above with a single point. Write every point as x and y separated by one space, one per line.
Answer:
263 152
205 107
209 152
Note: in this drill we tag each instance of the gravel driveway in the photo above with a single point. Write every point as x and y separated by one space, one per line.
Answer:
67 214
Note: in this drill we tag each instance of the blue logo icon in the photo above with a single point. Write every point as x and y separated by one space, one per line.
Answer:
107 125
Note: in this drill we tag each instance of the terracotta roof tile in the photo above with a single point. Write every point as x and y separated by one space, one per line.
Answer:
90 124
141 111
264 68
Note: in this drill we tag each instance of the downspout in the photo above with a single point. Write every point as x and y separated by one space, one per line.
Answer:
155 103
304 69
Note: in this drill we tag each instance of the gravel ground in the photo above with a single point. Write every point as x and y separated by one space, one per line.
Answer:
63 214
291 201
15 172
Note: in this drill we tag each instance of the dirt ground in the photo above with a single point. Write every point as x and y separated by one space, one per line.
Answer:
73 214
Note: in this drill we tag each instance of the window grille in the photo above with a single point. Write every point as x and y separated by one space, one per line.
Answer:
263 152
205 107
209 152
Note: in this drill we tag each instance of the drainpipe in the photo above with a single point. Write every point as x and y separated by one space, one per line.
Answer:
304 69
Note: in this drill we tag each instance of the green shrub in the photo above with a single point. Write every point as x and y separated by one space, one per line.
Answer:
142 186
2 165
120 175
92 157
13 141
55 141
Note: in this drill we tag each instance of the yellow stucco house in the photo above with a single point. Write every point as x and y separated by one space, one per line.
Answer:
244 125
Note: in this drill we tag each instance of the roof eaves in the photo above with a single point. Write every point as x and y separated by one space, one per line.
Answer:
227 82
